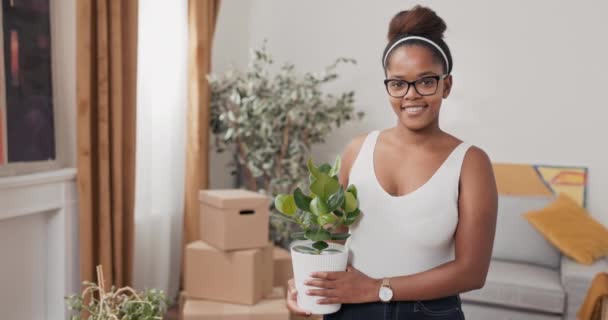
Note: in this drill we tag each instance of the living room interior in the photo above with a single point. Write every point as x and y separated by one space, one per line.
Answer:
143 144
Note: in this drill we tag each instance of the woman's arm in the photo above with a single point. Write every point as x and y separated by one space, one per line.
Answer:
474 237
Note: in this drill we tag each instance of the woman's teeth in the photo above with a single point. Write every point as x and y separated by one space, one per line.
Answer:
413 110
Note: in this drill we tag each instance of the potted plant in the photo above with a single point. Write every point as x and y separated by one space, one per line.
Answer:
116 304
269 117
326 207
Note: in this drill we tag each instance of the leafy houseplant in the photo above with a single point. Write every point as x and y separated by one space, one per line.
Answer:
319 213
116 304
269 118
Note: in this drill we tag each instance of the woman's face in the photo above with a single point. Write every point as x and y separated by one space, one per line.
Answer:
412 63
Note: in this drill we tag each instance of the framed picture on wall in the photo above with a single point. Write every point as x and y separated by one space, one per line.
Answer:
27 132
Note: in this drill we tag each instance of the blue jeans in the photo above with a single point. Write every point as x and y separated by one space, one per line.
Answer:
448 308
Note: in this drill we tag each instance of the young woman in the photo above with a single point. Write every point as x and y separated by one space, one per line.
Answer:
428 200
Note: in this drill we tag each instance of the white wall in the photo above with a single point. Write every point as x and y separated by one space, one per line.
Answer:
230 48
528 74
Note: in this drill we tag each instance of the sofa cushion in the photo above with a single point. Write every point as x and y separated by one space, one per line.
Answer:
519 285
571 229
516 239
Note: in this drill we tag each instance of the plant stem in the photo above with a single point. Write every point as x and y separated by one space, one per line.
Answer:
284 146
249 176
241 152
128 289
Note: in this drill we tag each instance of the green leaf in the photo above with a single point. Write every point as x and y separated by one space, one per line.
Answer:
304 249
313 170
302 200
352 189
350 202
338 212
335 170
354 214
332 250
320 245
340 236
298 236
318 207
324 186
311 178
325 168
326 219
282 217
336 200
285 204
318 235
351 217
309 219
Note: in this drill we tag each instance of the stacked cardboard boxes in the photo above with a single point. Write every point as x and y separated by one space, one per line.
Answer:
230 273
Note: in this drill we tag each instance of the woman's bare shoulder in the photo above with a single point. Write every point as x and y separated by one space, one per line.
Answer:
349 155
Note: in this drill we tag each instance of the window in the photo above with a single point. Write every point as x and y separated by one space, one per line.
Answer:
27 133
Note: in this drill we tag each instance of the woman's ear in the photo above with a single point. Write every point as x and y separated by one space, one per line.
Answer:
447 86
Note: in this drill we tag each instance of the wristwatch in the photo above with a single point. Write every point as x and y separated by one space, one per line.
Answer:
385 293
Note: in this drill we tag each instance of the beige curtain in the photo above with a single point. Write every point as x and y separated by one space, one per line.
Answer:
106 84
202 16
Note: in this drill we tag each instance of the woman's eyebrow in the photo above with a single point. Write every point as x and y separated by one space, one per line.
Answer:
428 73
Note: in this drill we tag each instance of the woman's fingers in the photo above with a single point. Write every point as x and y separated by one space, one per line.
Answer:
292 305
292 300
322 292
324 284
329 301
292 293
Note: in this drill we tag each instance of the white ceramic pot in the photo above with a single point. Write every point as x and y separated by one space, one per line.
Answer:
304 264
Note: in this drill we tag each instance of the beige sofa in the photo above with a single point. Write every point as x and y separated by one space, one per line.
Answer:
528 278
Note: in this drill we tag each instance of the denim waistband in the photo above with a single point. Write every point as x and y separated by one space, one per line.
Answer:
420 309
415 305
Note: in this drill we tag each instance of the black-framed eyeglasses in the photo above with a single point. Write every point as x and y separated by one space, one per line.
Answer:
425 86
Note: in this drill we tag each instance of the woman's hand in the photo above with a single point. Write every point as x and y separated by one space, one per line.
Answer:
292 300
351 286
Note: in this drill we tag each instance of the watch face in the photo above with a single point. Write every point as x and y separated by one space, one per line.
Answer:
386 294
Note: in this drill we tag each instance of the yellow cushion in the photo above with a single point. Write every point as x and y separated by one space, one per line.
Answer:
571 229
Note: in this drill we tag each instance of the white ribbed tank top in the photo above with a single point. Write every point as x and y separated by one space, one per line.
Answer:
403 235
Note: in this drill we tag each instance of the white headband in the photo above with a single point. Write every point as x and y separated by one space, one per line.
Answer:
447 64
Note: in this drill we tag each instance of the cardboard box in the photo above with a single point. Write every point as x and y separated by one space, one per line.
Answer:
232 219
271 308
283 269
181 302
241 277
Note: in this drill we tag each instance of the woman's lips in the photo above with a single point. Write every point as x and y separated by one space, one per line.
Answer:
414 110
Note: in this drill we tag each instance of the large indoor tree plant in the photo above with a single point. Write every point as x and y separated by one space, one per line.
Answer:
269 118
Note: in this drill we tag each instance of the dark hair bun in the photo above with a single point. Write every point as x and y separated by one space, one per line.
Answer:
420 21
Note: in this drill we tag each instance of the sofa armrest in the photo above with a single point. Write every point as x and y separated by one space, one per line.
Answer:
576 279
